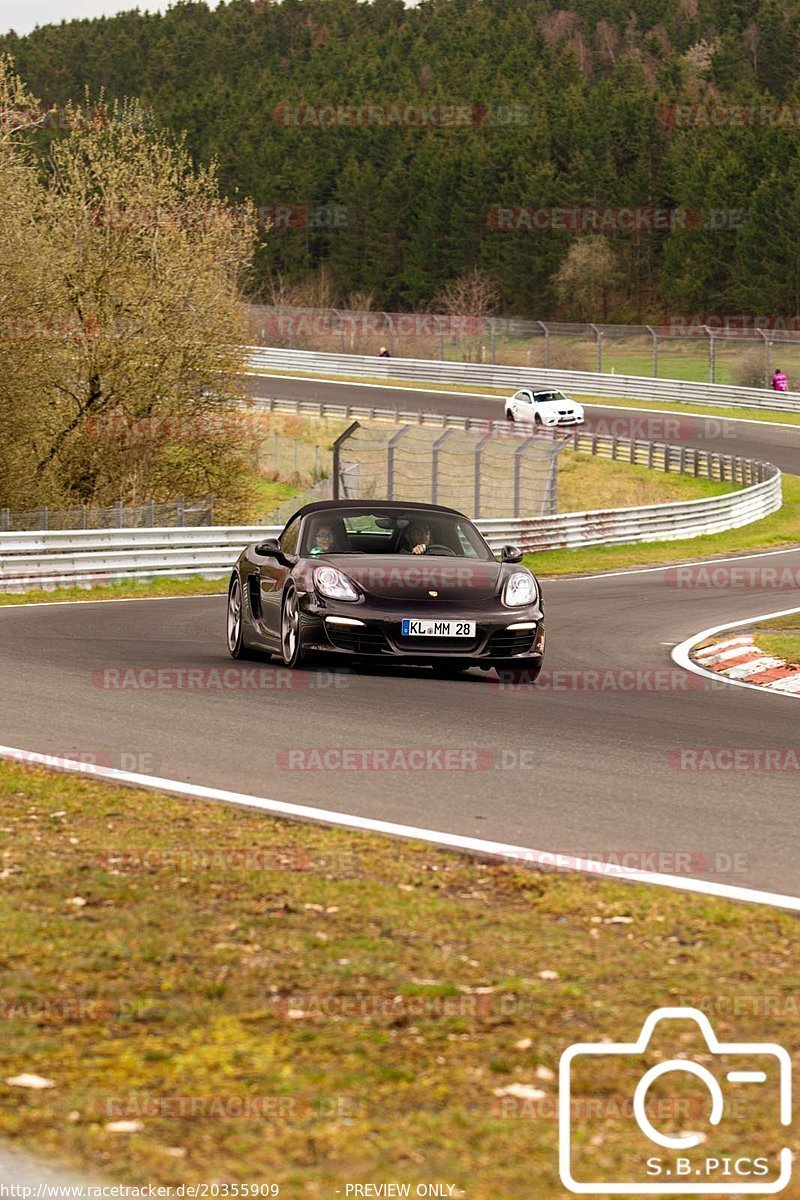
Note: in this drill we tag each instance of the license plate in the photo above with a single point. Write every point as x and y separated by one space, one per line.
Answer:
443 629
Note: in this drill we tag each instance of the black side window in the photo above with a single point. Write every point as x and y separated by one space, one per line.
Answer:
288 538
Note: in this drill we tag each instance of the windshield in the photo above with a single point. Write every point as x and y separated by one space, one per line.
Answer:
376 530
550 398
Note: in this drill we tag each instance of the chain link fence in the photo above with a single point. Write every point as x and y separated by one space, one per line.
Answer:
292 459
495 473
118 516
732 350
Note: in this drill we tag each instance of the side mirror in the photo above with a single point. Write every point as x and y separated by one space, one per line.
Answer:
511 554
271 548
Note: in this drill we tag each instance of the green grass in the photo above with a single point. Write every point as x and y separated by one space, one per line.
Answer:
376 993
780 637
782 645
588 482
128 590
271 493
780 529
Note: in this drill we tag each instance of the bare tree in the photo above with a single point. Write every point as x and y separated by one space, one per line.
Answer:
474 294
586 277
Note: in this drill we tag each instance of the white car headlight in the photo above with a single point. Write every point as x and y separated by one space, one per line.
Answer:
519 589
334 584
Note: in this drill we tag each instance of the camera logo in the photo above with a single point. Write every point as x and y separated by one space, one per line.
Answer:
651 1110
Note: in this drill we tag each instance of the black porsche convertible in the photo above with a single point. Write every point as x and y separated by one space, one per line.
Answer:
390 581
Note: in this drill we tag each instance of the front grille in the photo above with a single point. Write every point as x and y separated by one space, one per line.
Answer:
509 642
357 641
434 645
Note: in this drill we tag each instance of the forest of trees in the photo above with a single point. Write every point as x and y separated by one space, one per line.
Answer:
571 108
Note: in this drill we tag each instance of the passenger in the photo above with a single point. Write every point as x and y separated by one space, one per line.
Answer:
323 540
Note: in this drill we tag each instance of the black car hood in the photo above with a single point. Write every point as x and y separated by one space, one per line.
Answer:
416 576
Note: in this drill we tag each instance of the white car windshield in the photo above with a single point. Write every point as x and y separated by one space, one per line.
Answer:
550 398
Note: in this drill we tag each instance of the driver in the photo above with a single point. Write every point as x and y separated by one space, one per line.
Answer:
418 538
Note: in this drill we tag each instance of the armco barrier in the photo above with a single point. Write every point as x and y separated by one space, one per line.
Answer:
582 383
63 557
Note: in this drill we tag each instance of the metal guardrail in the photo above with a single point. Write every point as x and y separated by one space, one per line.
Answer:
726 343
56 558
582 383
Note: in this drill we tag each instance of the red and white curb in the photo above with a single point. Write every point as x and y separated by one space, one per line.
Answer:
740 658
736 659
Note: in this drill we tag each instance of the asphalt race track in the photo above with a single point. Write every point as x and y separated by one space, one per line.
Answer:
777 443
593 763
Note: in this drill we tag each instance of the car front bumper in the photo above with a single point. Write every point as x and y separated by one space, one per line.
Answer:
360 631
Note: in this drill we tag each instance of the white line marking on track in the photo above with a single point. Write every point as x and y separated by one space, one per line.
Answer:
479 846
450 841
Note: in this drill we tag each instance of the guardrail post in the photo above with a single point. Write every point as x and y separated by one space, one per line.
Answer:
594 443
393 440
151 514
767 357
518 471
599 336
546 344
666 459
4 519
435 448
712 355
179 511
650 453
337 455
614 441
478 452
654 336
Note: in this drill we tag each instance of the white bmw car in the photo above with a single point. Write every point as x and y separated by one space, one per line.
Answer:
543 408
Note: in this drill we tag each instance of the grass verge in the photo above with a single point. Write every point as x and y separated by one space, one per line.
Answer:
781 637
366 1002
143 589
588 482
780 529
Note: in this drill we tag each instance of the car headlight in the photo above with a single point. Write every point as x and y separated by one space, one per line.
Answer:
334 584
519 589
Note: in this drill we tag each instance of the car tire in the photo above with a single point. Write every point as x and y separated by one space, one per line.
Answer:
510 416
237 646
537 420
292 651
235 618
522 675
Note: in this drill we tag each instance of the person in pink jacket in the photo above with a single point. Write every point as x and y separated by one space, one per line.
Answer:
779 381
